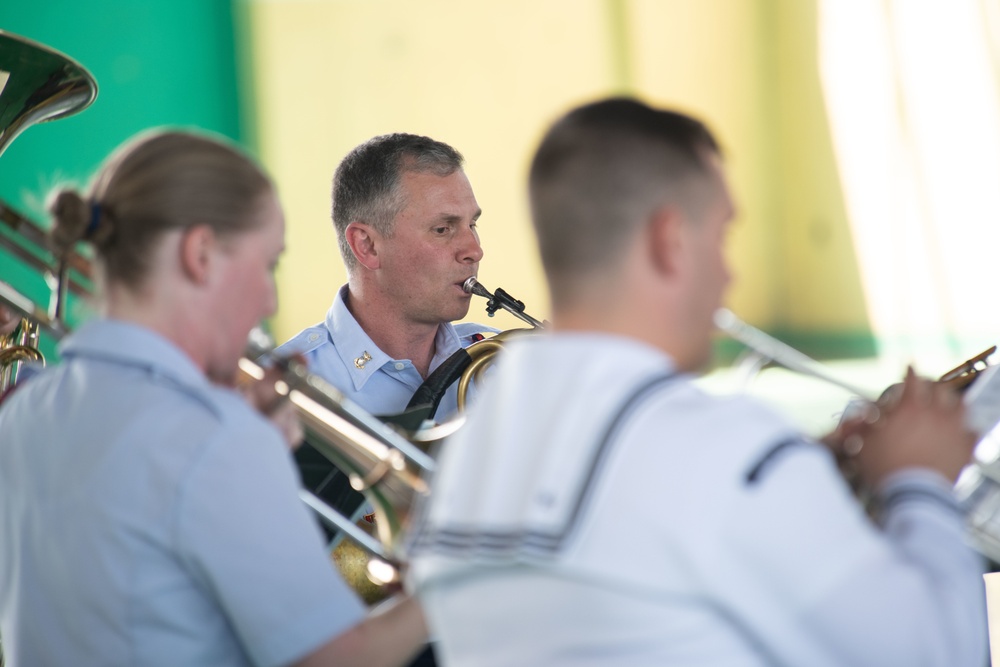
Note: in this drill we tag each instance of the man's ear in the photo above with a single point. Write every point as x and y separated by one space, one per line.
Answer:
197 250
666 239
362 239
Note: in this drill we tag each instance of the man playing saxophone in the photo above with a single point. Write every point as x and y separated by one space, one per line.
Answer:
406 221
626 517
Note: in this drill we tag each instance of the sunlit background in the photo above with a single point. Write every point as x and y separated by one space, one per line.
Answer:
862 139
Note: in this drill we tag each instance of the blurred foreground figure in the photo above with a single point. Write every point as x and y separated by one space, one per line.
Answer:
148 514
599 509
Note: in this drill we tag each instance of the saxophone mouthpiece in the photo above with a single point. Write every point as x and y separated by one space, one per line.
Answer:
473 286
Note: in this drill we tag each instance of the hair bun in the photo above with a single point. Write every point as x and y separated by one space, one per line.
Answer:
70 219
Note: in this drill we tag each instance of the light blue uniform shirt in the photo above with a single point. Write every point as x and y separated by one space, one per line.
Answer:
148 517
339 351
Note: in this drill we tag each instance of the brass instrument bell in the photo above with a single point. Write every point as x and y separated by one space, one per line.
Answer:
38 84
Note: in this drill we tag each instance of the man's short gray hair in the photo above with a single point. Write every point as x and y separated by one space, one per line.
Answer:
366 183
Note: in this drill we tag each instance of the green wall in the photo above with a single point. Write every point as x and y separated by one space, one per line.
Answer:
156 62
748 67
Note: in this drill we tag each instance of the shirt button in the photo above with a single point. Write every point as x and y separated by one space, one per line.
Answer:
313 337
400 365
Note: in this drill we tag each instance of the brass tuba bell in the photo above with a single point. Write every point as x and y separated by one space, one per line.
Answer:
38 84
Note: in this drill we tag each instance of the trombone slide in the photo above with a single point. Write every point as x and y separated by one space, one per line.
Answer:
381 463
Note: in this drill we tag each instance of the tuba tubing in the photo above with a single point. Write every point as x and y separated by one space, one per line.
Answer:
21 345
37 84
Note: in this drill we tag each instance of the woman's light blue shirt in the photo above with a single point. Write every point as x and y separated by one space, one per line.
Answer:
148 517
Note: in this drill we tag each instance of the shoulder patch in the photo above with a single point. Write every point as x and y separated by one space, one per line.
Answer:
306 340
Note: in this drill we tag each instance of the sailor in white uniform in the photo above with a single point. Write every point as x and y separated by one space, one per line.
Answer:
599 509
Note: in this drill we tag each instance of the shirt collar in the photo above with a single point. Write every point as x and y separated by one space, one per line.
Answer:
361 356
130 344
446 343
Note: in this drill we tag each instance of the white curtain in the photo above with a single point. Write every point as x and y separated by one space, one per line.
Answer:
911 88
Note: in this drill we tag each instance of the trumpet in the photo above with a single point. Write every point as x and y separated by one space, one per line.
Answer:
978 487
769 349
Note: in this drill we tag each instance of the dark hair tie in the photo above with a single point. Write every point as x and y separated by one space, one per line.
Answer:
95 220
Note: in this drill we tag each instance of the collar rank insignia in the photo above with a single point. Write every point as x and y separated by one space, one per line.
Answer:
360 362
